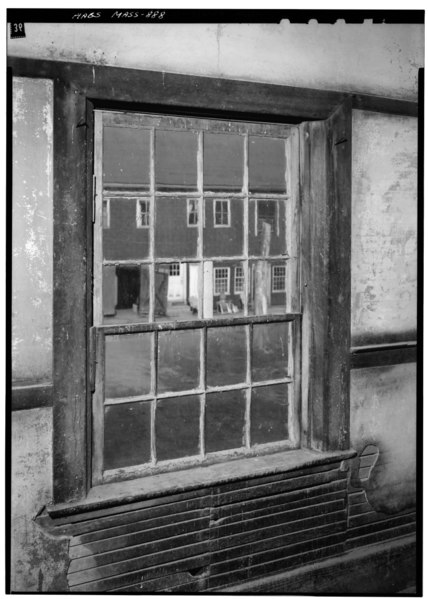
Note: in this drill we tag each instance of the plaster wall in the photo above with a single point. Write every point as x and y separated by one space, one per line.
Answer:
384 221
379 59
383 408
32 225
38 561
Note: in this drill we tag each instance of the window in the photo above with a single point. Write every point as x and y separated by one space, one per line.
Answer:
192 213
221 281
143 214
192 367
278 279
106 214
267 212
239 279
221 213
174 270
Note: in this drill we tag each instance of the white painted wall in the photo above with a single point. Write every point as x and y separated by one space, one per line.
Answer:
377 59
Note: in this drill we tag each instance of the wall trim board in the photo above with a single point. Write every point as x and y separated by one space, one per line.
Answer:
382 568
29 397
190 91
383 355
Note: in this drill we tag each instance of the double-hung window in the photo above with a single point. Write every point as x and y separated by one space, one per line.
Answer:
197 352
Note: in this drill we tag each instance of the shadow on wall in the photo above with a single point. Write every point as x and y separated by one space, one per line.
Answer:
383 431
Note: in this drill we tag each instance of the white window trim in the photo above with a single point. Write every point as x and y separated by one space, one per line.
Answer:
273 278
241 277
217 268
189 200
228 214
138 214
107 202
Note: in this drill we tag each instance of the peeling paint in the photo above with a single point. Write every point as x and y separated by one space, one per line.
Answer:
384 200
32 225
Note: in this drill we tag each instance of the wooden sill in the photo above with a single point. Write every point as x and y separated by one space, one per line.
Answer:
121 493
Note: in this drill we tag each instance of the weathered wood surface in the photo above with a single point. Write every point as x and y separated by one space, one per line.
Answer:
325 155
229 532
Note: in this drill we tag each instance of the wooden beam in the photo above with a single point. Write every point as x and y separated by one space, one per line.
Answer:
383 355
69 295
188 93
326 266
29 397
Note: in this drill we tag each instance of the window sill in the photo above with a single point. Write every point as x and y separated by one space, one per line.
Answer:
122 493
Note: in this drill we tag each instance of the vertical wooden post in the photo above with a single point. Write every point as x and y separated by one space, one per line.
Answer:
326 254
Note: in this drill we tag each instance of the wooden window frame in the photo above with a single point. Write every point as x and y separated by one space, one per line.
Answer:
192 212
241 277
273 278
222 225
139 214
78 90
215 270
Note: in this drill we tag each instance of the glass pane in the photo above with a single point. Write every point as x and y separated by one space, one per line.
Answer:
178 360
126 293
223 162
223 227
126 158
177 427
127 365
266 165
225 420
174 238
175 160
267 287
266 232
177 291
269 414
226 355
126 238
126 435
270 351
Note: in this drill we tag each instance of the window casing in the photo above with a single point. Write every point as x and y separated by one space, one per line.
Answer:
143 214
173 419
222 213
278 279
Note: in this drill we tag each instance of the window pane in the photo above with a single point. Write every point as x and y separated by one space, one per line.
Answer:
175 160
225 420
266 165
125 238
126 293
267 287
226 355
269 414
177 291
173 237
126 158
177 427
266 231
223 162
127 365
270 351
126 435
223 227
178 360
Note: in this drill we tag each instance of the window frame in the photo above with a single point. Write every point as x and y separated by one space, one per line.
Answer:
222 225
283 277
217 269
191 212
78 90
139 219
